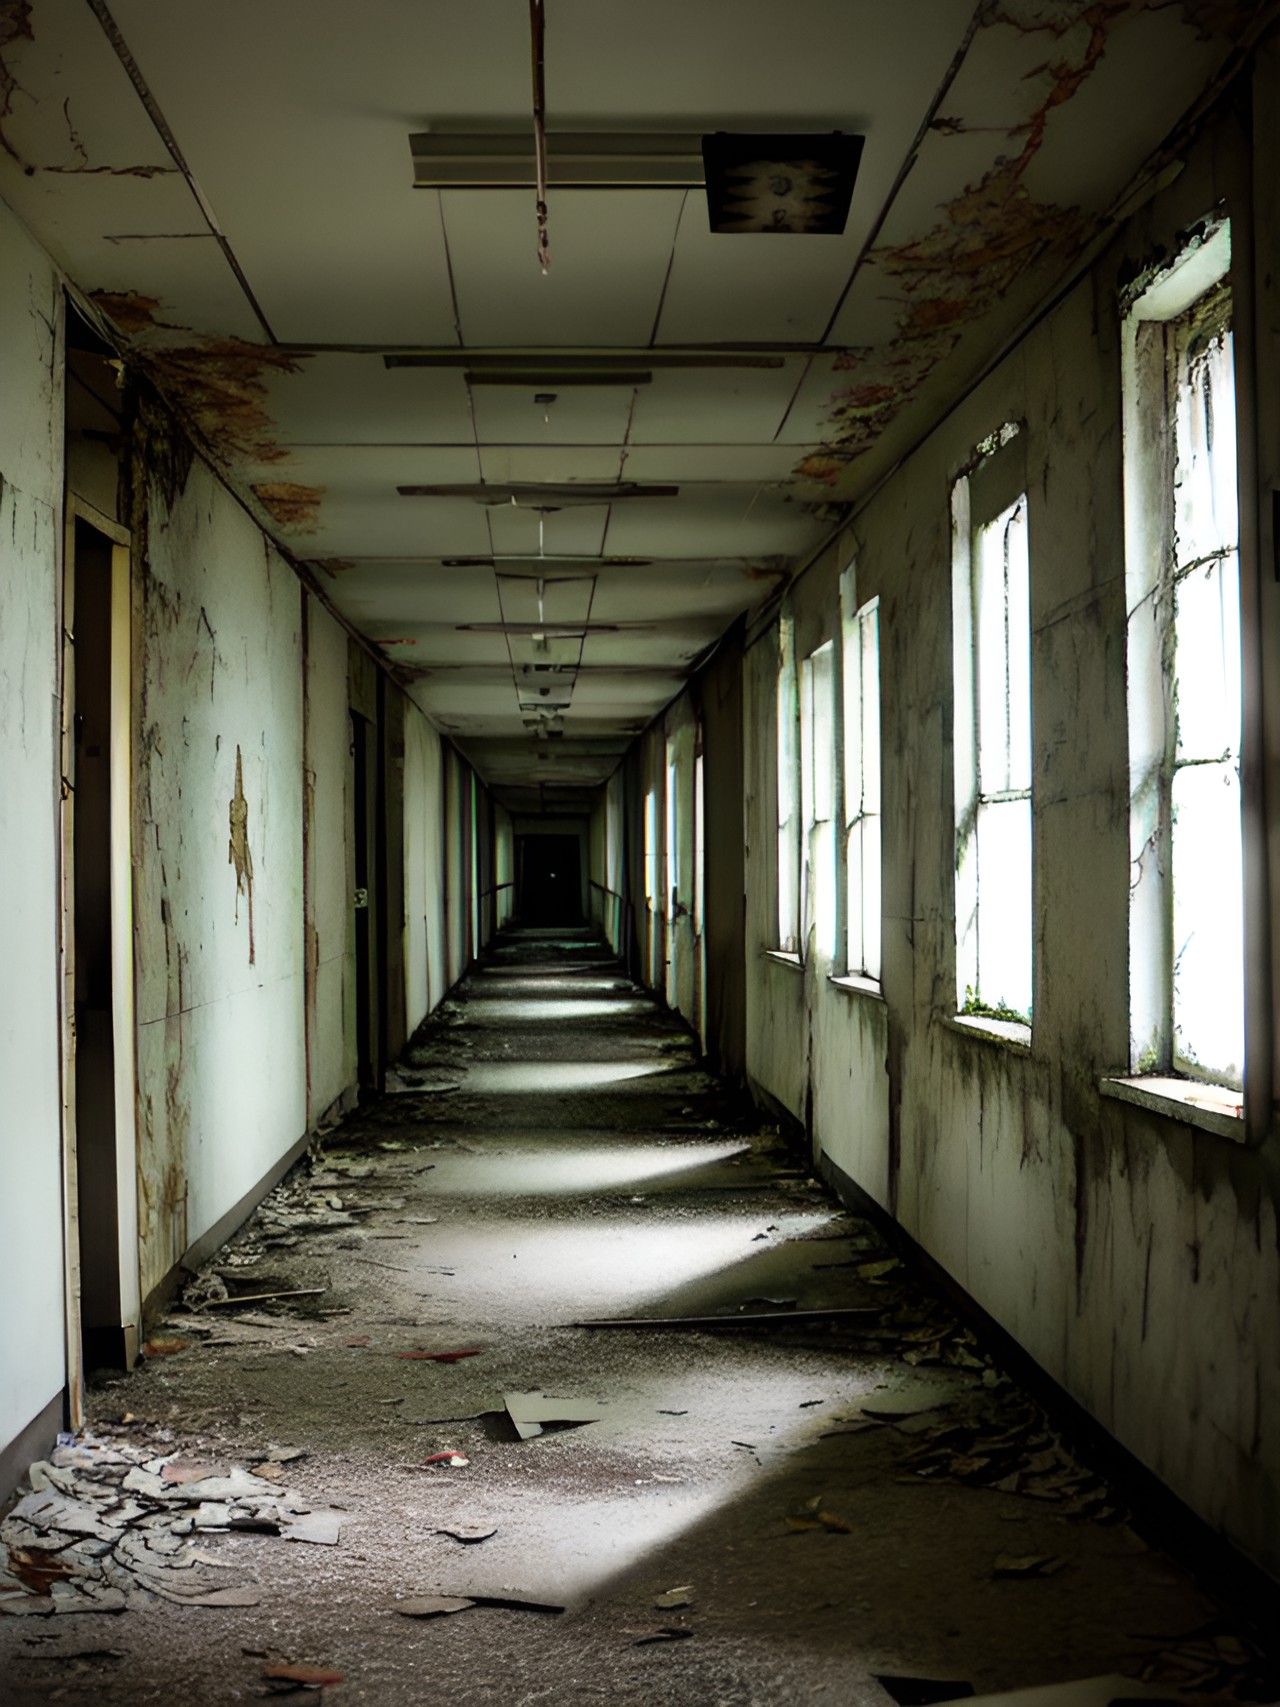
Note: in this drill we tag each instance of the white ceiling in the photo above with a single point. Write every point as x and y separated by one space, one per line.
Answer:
283 214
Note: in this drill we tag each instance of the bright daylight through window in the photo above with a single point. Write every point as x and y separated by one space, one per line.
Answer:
993 742
787 793
817 773
1183 585
861 668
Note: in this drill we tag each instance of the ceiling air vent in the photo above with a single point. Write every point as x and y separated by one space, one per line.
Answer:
793 184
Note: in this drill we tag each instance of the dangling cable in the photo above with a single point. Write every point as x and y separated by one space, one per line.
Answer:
537 23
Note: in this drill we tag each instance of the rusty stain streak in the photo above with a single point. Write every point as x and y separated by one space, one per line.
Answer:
238 852
334 566
290 505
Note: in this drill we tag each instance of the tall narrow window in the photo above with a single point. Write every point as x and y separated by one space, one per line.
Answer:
992 624
651 850
788 792
861 666
1183 588
671 895
699 844
817 743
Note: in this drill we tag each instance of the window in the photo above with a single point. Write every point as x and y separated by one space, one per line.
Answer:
652 851
860 633
1183 592
699 844
817 781
671 895
992 640
787 791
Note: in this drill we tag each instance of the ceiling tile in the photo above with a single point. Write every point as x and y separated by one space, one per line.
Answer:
609 254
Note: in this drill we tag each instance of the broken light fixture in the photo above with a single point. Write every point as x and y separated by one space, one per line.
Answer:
794 184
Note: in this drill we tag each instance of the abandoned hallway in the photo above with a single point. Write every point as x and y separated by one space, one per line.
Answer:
751 1512
639 678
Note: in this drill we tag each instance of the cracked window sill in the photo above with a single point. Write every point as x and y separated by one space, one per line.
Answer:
1213 1108
1004 1033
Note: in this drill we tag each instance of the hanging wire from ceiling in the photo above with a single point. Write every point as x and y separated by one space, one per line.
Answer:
537 25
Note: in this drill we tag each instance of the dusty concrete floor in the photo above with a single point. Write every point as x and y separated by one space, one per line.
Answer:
838 1502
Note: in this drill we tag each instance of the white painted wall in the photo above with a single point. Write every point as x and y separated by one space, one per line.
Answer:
1133 1256
330 850
32 1359
221 1058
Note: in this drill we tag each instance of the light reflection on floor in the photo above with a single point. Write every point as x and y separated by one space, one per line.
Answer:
522 1077
575 1171
533 1010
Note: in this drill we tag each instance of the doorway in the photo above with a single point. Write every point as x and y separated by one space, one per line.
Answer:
550 880
365 900
100 1150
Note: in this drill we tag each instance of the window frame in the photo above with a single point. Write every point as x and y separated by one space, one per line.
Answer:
989 491
861 801
818 802
787 795
1181 302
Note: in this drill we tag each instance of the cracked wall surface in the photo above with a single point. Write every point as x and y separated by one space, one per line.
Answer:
220 965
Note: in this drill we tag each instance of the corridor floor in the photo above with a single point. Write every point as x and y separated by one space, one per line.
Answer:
780 1512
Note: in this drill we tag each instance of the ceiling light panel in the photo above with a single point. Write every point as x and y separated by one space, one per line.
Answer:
352 399
603 290
581 417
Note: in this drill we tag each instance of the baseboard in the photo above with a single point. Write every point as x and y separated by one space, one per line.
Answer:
36 1440
200 1250
1159 1515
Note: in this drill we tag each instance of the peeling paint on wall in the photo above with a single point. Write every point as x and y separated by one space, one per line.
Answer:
987 237
128 310
290 505
217 386
238 851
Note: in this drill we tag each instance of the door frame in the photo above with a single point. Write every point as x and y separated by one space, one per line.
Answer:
124 1036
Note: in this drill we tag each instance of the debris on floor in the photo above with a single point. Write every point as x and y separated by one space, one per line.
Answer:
534 1413
109 1522
897 1504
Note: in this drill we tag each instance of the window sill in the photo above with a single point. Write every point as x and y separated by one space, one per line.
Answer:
1211 1107
785 958
1006 1033
856 984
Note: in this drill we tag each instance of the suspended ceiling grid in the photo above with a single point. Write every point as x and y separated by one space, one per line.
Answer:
232 184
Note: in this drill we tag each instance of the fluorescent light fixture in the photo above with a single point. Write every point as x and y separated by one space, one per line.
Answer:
530 363
535 379
786 183
545 630
535 564
551 494
504 160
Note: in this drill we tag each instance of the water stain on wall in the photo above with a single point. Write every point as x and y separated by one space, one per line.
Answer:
290 505
238 851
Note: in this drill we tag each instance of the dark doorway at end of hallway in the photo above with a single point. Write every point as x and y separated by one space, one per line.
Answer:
550 880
